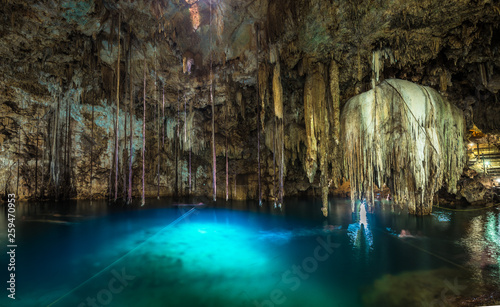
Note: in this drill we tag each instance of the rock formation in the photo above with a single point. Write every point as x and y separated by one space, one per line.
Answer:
406 137
255 87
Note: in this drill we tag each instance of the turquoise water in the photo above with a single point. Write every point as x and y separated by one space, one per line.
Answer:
240 254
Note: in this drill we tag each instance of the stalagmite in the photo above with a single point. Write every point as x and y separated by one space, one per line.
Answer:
405 136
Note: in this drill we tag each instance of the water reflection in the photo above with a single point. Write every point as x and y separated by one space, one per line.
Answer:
482 242
359 232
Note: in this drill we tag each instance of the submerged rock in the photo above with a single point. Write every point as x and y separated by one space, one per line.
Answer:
417 288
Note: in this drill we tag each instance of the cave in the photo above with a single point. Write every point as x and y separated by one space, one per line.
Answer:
250 152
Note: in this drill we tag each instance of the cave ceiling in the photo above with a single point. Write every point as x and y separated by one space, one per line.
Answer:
451 46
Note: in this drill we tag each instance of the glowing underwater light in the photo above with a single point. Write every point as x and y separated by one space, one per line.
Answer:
213 248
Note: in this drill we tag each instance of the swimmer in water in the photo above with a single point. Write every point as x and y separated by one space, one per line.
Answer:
405 234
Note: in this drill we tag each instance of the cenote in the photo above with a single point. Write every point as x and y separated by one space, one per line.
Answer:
84 253
258 153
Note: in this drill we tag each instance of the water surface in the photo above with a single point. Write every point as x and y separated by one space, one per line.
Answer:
241 254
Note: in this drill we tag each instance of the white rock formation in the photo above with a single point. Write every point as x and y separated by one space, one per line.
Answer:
405 136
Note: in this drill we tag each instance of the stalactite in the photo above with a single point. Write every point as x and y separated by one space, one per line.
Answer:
129 197
177 141
310 91
214 159
92 148
36 157
117 145
157 123
18 156
482 74
185 123
241 103
376 67
408 138
65 139
189 171
189 124
163 115
359 75
190 142
54 161
110 184
124 159
225 153
378 58
274 161
277 92
334 122
258 114
70 167
234 196
278 139
143 201
185 144
282 168
324 140
335 92
263 79
69 151
67 158
317 117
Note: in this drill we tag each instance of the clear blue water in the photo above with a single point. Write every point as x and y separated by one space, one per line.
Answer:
240 254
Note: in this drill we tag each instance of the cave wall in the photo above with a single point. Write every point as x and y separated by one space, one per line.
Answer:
282 72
